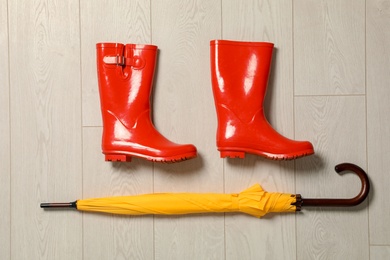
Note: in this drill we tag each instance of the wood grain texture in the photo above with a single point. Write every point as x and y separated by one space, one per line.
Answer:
329 48
378 109
5 156
109 236
113 236
247 237
379 252
334 124
329 84
45 104
184 112
107 21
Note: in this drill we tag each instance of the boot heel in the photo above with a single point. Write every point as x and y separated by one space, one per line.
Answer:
118 158
232 154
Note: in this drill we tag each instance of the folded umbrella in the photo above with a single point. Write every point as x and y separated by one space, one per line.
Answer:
253 201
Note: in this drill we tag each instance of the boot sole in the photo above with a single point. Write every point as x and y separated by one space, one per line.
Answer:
127 156
233 152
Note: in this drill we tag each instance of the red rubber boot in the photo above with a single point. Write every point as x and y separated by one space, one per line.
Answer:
239 72
125 75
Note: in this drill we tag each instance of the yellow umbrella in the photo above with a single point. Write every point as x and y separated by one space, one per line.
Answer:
253 201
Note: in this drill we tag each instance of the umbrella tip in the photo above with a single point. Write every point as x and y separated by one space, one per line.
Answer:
48 205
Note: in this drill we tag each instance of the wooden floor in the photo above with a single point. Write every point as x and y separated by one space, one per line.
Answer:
330 84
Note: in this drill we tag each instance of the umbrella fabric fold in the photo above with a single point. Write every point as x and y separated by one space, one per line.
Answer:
253 201
257 202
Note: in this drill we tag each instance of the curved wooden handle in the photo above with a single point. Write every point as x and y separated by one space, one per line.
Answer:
325 202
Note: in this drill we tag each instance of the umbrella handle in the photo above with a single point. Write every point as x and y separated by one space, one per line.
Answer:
325 202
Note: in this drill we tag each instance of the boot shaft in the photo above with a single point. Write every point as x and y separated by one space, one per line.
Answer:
239 71
125 75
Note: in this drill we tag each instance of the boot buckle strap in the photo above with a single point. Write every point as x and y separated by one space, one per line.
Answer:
136 62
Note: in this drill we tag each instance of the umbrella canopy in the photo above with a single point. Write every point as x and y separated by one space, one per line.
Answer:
253 201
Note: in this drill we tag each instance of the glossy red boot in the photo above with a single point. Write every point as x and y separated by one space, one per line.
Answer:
239 73
125 75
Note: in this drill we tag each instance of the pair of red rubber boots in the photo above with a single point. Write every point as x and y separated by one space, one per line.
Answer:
239 72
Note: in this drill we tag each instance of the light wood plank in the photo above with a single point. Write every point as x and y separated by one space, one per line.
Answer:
184 113
319 49
5 167
272 237
336 127
378 110
46 127
329 45
107 21
109 236
379 252
106 237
